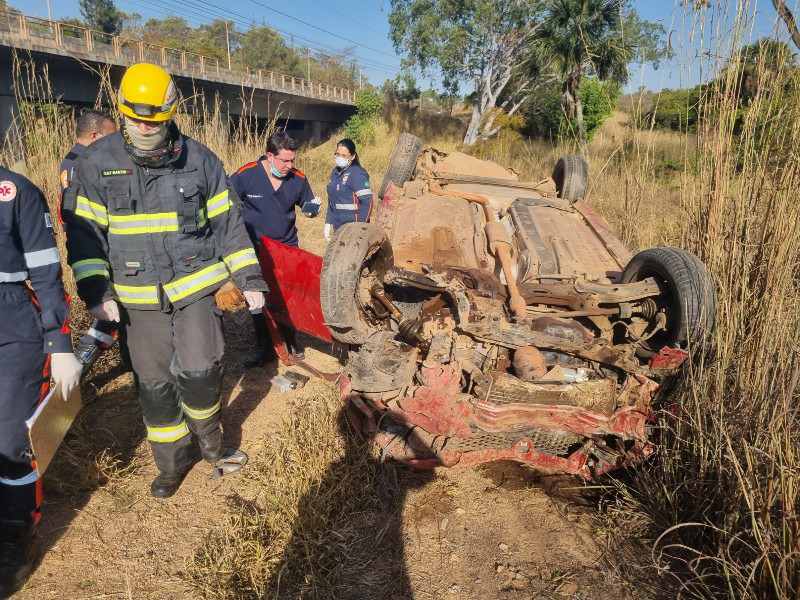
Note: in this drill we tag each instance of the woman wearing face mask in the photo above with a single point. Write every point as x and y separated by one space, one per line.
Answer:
349 195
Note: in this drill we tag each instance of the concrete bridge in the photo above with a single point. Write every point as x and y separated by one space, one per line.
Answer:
73 55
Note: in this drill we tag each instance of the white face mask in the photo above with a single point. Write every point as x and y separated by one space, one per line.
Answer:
342 162
146 141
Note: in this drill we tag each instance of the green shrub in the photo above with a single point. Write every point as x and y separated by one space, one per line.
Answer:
543 113
361 126
544 116
675 109
599 100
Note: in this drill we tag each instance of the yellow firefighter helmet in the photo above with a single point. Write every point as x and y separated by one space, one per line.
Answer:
148 93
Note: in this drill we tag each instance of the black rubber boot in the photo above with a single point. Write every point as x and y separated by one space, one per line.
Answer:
264 353
166 484
17 555
211 444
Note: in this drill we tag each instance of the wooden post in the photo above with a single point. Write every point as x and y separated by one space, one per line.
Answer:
23 26
216 60
202 64
283 82
57 29
183 60
292 83
87 34
141 51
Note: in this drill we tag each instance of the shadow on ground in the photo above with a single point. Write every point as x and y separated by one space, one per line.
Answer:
347 542
101 445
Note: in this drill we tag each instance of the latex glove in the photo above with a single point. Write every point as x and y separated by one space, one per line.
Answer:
255 301
66 370
327 231
107 311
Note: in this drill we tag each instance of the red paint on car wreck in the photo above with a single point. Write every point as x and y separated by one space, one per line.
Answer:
628 422
668 359
438 406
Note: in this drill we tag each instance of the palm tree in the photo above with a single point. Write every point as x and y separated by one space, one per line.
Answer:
583 37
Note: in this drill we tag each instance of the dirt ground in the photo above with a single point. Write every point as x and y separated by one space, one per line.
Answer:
490 533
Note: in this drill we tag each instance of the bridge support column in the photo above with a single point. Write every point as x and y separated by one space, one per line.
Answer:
9 110
9 132
316 132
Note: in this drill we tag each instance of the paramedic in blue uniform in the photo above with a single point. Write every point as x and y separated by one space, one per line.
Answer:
349 194
270 189
33 342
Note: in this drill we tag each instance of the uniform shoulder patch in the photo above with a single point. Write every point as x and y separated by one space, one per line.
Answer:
246 166
299 173
8 190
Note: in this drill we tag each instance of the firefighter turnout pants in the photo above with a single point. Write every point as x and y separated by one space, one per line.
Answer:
24 380
177 358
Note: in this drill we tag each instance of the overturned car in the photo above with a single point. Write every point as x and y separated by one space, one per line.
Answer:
488 318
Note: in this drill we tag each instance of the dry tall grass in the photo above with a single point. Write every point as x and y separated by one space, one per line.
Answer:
719 508
717 514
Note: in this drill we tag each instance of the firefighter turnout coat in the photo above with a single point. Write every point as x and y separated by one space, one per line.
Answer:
155 237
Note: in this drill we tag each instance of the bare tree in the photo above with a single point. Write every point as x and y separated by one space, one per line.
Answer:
485 42
788 18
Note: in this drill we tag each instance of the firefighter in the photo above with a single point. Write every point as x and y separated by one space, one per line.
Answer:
349 194
154 231
270 188
91 126
34 340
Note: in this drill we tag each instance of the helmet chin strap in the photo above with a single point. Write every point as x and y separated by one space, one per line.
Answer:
146 141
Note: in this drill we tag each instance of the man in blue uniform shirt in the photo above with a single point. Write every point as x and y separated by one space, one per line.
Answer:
270 188
90 126
32 342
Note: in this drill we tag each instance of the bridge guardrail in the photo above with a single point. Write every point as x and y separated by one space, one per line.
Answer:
104 47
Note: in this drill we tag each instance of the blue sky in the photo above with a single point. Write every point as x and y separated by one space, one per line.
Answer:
361 26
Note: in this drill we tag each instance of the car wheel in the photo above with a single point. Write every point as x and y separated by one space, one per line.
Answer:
356 258
571 175
402 162
688 296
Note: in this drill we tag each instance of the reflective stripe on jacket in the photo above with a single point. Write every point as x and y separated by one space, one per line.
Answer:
154 237
28 252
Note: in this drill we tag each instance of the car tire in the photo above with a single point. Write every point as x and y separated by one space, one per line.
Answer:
402 162
353 248
688 294
571 175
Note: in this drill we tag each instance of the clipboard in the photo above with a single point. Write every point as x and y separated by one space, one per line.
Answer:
50 423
